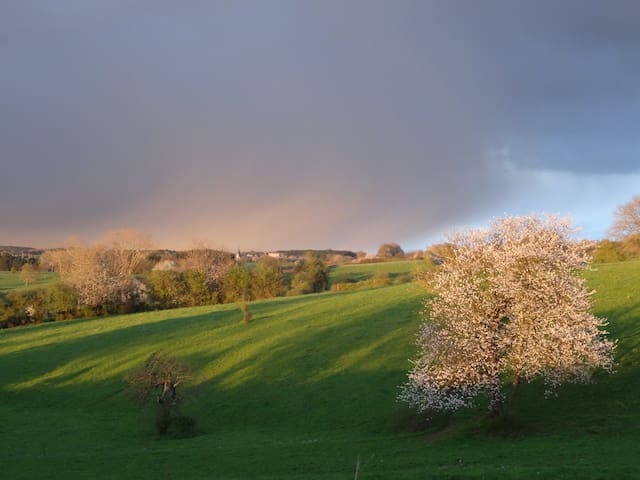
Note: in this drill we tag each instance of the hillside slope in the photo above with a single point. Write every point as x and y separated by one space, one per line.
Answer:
307 390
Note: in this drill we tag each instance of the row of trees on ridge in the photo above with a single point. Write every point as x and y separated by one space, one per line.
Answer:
102 279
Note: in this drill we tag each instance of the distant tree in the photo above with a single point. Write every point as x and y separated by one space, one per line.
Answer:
236 284
267 278
236 289
626 219
29 274
168 288
310 276
25 306
129 250
213 264
198 292
389 250
440 252
62 303
509 308
101 273
50 260
608 251
5 261
630 245
13 263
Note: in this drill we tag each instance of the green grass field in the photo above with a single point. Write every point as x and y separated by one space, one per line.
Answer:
305 391
361 272
12 281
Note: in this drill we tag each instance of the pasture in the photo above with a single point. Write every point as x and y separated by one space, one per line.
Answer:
305 391
363 271
12 281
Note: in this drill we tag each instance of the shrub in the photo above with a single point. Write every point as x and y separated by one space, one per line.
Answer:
380 279
607 252
267 278
631 245
309 276
197 289
23 307
235 285
168 288
62 302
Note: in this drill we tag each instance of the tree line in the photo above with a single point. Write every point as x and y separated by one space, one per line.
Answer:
105 279
13 263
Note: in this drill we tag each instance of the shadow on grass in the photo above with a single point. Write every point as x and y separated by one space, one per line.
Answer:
318 363
624 326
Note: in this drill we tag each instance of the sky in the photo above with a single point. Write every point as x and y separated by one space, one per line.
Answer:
313 124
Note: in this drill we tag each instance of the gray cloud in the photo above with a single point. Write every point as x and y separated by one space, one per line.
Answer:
291 124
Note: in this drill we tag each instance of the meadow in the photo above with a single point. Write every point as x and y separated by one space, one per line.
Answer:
365 271
12 281
307 390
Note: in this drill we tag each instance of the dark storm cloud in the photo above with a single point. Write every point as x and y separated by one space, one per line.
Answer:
288 124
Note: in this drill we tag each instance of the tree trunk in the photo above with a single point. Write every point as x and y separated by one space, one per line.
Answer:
496 401
512 393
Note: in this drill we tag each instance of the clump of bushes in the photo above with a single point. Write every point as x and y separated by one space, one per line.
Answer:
309 276
171 289
59 301
609 251
175 286
36 305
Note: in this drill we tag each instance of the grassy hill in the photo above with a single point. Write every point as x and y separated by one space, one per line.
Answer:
365 271
307 390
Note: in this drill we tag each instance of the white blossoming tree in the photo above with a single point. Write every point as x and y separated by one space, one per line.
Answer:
508 307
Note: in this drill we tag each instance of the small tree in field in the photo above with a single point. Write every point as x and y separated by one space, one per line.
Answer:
160 377
310 276
28 274
509 308
627 219
236 289
267 278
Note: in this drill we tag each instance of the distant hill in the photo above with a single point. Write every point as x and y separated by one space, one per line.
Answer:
321 253
21 251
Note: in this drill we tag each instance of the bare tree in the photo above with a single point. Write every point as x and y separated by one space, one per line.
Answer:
626 219
509 308
128 250
214 264
159 377
103 272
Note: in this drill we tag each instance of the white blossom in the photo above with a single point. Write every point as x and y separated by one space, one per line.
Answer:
509 307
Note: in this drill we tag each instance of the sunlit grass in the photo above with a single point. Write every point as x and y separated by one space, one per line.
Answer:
11 281
360 272
303 391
